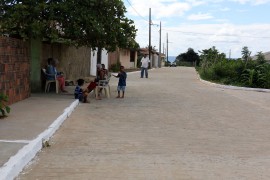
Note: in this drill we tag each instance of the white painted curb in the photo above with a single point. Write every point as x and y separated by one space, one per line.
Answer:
234 87
16 163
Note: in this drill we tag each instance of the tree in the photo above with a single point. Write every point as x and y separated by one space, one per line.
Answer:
97 23
245 53
189 56
260 58
91 23
210 56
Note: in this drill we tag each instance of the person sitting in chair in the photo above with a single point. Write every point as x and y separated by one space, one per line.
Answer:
93 84
52 72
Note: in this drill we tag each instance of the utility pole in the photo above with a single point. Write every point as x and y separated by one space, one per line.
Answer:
167 50
159 56
149 48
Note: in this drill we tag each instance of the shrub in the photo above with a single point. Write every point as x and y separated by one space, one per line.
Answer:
115 67
4 109
264 75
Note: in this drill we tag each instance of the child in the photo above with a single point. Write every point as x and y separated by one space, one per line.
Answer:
79 93
122 75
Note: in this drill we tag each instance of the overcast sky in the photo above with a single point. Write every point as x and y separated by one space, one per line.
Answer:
200 24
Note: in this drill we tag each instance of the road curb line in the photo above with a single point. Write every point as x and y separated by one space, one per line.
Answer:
234 87
16 163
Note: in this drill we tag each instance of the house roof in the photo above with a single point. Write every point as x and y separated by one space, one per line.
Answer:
146 51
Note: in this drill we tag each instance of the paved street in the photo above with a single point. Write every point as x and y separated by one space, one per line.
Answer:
170 126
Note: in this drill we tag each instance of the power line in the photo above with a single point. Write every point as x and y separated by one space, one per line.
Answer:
205 34
136 11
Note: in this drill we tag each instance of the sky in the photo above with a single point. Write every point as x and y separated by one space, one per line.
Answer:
201 24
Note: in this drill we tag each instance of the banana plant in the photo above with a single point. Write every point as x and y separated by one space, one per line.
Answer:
248 76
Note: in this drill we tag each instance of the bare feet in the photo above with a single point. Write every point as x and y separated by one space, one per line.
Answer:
98 98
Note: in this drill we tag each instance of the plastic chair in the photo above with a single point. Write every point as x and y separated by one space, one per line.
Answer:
104 84
48 82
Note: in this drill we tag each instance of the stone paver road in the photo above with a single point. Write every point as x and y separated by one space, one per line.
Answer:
170 126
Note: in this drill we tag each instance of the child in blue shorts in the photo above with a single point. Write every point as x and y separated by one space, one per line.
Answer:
79 93
122 75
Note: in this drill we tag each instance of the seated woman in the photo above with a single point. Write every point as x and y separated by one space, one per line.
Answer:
93 84
51 72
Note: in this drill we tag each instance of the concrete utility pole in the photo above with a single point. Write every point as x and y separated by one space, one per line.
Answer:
167 50
159 56
149 48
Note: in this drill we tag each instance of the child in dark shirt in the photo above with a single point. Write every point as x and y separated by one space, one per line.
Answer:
122 75
79 93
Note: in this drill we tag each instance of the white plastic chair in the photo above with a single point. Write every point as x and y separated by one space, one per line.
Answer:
104 84
48 82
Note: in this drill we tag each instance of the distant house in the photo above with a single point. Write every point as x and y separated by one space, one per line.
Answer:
127 58
154 57
266 55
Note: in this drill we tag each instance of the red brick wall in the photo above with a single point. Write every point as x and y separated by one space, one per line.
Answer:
14 69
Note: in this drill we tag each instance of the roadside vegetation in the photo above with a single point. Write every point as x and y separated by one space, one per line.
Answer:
215 67
4 108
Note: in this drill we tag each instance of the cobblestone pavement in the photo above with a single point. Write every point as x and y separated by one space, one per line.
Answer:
169 126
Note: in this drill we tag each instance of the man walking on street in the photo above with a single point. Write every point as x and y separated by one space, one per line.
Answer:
144 65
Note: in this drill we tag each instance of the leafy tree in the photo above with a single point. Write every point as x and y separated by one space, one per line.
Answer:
260 58
189 56
91 23
210 56
245 54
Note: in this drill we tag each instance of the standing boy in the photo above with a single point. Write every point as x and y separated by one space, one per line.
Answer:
122 75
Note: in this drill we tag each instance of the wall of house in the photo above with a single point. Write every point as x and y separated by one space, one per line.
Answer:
127 58
15 65
14 69
104 60
112 58
73 62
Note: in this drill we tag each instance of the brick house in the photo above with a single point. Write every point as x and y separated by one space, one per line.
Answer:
15 65
16 69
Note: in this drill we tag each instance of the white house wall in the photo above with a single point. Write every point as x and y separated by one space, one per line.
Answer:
104 60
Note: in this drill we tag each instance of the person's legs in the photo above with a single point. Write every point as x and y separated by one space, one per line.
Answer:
91 86
142 72
61 81
123 88
146 72
118 91
85 94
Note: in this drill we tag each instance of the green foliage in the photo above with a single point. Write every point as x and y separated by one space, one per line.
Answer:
241 72
248 77
184 63
245 53
260 58
264 75
4 109
115 67
91 23
188 58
